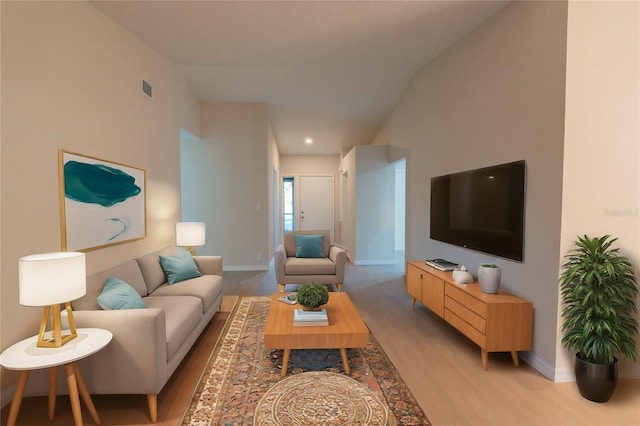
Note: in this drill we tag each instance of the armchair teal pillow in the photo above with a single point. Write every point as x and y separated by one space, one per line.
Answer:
118 294
179 267
308 245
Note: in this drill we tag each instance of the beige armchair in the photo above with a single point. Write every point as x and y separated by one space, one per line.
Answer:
290 269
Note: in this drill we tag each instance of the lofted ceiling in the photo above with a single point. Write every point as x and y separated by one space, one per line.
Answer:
329 70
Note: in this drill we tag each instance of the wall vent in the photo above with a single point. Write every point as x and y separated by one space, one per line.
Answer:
146 88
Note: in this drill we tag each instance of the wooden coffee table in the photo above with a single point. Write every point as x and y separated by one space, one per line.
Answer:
345 330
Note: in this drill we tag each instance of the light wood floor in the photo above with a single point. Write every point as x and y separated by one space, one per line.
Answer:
441 367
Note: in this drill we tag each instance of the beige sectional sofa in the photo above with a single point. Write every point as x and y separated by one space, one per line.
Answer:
148 344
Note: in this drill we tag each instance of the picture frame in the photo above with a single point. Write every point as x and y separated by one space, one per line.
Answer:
102 203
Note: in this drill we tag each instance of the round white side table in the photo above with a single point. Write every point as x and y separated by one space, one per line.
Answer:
26 356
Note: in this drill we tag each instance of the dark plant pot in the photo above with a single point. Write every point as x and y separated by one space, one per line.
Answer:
596 382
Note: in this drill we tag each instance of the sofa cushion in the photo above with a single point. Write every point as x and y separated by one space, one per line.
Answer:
207 288
309 266
179 267
289 241
151 269
309 246
117 294
128 272
182 315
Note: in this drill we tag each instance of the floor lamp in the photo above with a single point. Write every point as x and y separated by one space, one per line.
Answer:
48 280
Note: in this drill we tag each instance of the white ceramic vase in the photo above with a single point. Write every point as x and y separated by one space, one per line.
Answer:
462 276
489 278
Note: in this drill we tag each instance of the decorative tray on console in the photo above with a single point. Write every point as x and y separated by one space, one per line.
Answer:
442 265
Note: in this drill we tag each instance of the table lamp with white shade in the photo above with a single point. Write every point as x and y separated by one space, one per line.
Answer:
49 279
190 234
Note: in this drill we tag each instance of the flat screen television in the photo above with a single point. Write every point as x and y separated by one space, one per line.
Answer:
481 209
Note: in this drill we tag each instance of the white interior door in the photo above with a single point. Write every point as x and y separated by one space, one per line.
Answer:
316 203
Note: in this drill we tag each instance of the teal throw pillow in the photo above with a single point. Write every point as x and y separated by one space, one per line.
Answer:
117 294
308 245
179 267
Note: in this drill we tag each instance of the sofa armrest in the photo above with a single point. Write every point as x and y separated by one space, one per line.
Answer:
280 260
335 251
136 358
209 265
339 256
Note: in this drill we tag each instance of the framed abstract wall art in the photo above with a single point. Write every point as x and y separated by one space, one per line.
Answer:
101 202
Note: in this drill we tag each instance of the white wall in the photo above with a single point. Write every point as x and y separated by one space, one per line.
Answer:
348 199
374 206
369 204
399 202
318 165
71 79
273 163
189 110
601 181
226 179
495 96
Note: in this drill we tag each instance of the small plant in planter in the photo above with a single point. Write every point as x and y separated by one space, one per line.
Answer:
598 290
312 295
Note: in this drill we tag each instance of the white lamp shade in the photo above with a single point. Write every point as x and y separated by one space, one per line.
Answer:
190 233
51 278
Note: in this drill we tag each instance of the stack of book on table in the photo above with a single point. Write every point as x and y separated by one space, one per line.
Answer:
302 318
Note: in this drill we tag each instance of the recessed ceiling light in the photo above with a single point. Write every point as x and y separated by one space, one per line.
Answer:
308 141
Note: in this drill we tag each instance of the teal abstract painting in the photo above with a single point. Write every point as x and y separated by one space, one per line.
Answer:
97 183
104 202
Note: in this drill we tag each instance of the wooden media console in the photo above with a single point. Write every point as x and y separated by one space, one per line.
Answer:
498 322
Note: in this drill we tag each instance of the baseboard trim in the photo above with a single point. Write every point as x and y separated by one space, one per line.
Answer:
568 375
561 375
539 365
235 268
7 395
629 372
373 262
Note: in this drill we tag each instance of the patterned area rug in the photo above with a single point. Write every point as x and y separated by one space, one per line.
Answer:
320 398
241 371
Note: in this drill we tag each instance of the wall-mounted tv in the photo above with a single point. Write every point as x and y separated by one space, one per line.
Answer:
481 209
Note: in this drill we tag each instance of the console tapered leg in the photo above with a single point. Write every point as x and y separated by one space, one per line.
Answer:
514 357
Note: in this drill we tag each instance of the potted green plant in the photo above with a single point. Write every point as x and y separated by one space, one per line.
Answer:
598 291
312 295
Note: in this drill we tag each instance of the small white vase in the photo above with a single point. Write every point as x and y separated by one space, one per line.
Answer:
489 279
462 276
